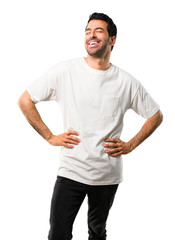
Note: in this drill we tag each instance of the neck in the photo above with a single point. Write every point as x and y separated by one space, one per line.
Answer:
98 63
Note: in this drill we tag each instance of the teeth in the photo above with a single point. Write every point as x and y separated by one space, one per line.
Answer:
92 43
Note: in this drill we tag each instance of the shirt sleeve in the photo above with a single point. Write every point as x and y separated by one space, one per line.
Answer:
46 87
143 104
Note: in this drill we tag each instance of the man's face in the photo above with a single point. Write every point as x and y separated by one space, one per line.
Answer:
97 40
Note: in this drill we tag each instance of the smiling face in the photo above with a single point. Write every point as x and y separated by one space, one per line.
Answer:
97 40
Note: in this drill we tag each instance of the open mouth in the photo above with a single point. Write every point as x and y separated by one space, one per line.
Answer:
93 43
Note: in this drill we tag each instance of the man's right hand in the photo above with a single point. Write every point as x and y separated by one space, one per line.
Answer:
64 139
29 110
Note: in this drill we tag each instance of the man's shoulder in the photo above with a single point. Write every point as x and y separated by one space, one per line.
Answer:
122 72
69 62
126 78
65 65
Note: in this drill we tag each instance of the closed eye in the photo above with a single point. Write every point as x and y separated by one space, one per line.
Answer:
88 32
99 31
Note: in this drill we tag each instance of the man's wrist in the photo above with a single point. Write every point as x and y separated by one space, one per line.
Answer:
49 137
132 145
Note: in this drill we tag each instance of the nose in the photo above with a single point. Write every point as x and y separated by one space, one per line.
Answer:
93 34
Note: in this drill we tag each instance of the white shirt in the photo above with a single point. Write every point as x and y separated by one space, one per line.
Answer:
93 103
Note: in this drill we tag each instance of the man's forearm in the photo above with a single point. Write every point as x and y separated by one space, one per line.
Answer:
117 147
33 117
148 128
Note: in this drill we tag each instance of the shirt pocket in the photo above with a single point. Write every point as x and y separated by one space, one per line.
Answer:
109 106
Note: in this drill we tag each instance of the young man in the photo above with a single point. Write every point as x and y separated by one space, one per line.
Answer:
94 96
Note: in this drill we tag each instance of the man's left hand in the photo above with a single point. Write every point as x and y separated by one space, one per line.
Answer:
116 147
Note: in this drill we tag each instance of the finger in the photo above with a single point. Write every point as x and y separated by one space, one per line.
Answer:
73 138
73 132
71 141
114 150
110 145
68 146
116 154
116 145
111 140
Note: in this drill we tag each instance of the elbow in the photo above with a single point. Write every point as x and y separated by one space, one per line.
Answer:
20 102
24 100
160 117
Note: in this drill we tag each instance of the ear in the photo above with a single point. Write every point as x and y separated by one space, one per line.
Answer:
113 40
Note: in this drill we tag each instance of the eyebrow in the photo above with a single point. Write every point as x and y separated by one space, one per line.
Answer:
88 29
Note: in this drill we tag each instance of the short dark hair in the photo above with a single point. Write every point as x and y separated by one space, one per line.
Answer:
112 29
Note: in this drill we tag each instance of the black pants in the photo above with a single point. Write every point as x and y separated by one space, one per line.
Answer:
67 198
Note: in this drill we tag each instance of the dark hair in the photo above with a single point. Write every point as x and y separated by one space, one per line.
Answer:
112 29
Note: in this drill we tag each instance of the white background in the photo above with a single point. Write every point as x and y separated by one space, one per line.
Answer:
36 35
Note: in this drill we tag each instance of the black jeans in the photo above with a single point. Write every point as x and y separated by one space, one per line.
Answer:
67 198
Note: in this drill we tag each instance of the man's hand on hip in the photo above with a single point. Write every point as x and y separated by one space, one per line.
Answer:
116 147
65 138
